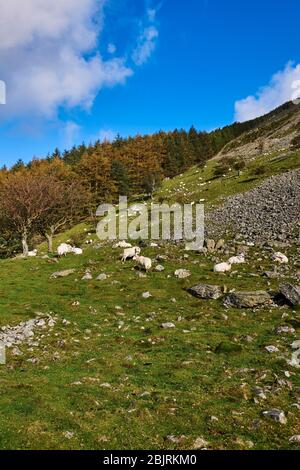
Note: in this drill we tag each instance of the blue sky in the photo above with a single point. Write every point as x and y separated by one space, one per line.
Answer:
138 66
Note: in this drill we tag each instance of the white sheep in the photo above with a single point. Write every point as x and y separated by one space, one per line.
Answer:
240 259
222 267
130 253
122 244
32 253
280 258
144 262
64 249
77 251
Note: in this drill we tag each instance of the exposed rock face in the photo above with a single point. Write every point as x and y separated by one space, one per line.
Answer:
247 299
290 293
206 291
268 212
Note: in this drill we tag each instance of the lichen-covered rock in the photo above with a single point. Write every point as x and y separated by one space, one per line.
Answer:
182 273
206 291
247 299
290 293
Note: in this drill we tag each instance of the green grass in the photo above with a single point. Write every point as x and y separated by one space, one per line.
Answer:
162 382
186 381
201 184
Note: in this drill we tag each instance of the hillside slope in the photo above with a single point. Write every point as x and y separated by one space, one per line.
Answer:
100 355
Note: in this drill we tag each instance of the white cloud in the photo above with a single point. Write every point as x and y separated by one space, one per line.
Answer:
282 88
151 14
147 39
111 48
49 58
106 135
71 132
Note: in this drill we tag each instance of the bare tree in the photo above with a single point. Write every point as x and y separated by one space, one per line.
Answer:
68 201
25 199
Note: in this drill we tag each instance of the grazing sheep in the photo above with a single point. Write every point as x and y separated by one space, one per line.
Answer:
122 244
64 249
240 259
77 251
222 267
144 262
280 258
32 253
130 253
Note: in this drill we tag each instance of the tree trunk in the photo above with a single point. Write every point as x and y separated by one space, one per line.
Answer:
49 238
25 244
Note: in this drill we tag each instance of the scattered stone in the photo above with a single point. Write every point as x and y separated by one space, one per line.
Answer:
272 349
161 258
276 415
159 268
182 273
167 325
290 293
101 277
295 438
87 276
176 439
200 443
206 291
65 273
69 435
220 244
146 295
11 336
141 274
280 258
247 299
271 274
259 392
285 330
16 352
210 245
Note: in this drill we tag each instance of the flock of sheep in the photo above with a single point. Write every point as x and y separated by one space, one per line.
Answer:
145 263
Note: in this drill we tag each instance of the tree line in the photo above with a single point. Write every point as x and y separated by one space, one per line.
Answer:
45 195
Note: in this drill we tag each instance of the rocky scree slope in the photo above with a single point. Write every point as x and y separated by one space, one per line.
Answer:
270 211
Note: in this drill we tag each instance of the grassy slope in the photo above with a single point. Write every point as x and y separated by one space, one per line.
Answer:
200 183
186 381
